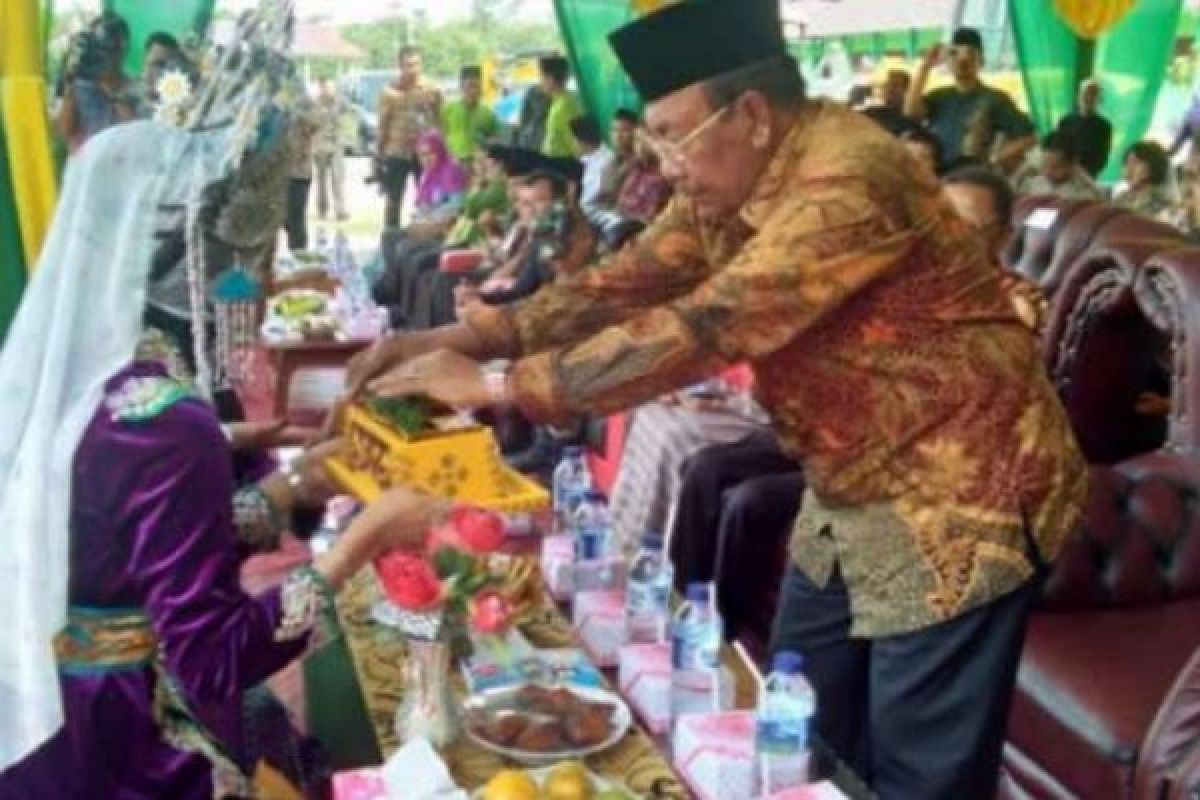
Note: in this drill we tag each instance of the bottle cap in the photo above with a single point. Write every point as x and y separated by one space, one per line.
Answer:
788 662
572 452
594 496
652 540
699 593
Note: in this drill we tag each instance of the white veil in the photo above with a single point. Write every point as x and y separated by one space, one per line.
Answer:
79 323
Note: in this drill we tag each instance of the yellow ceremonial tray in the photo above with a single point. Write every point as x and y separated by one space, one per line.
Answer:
455 461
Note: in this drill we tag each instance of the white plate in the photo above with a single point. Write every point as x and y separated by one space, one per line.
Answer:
622 720
540 775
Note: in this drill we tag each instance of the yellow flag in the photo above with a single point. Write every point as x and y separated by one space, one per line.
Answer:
1091 18
649 6
27 131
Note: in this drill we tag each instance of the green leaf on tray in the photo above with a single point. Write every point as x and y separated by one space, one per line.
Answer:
407 414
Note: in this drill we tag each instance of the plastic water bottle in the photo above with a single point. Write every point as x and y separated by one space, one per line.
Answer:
785 712
648 593
571 482
696 635
595 567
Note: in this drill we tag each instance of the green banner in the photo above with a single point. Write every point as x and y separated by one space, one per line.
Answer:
12 259
183 19
1049 53
585 26
1131 62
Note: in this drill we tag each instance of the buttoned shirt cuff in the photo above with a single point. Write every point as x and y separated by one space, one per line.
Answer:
494 325
535 390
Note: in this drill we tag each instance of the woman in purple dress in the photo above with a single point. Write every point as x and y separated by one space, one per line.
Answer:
128 644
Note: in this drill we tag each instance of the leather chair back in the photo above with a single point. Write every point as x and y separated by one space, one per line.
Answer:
1140 541
1044 250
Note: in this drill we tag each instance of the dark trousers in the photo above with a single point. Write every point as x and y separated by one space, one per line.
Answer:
296 223
396 172
736 506
919 716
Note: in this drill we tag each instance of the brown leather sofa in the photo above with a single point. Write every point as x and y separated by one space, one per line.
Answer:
1107 704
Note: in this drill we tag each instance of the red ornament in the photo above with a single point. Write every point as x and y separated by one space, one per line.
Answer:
409 581
491 612
480 532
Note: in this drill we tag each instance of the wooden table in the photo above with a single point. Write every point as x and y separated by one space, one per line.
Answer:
639 761
288 358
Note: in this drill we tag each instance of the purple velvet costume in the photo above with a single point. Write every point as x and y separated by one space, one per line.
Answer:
152 528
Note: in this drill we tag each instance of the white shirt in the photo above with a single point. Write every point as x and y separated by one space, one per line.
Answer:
599 170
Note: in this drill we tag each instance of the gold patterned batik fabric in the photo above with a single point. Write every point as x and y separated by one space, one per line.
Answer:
886 347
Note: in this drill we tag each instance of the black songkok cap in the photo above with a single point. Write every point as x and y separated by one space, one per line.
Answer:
694 40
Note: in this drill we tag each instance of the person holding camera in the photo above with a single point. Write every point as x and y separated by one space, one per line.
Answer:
96 92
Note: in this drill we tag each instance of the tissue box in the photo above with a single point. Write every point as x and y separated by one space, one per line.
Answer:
644 676
818 791
360 784
558 561
714 754
600 621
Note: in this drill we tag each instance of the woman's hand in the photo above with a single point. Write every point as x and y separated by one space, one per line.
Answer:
445 376
399 519
315 487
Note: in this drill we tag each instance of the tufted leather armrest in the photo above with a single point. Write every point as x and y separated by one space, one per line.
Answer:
1140 541
1172 745
1168 293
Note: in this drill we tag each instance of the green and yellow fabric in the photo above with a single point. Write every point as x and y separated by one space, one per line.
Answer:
28 186
1125 43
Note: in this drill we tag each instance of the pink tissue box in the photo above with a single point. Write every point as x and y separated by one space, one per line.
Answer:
644 676
714 754
558 564
600 621
360 784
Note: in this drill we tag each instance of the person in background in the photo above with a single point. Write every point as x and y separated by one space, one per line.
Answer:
1090 129
1146 169
301 136
329 151
407 108
467 123
625 126
890 114
564 107
163 55
967 116
531 122
925 147
1058 172
443 183
1189 131
985 200
97 94
599 190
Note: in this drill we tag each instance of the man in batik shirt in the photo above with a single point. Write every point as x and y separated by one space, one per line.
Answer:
407 108
804 240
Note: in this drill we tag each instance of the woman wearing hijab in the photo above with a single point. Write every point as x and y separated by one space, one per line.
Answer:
443 182
129 644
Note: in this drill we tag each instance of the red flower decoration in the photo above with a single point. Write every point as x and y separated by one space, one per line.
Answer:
480 531
409 581
491 612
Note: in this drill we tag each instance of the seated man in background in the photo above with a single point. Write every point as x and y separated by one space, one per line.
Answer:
1058 172
644 193
625 126
598 192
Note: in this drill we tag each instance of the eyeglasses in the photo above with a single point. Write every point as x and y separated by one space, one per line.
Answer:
675 153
